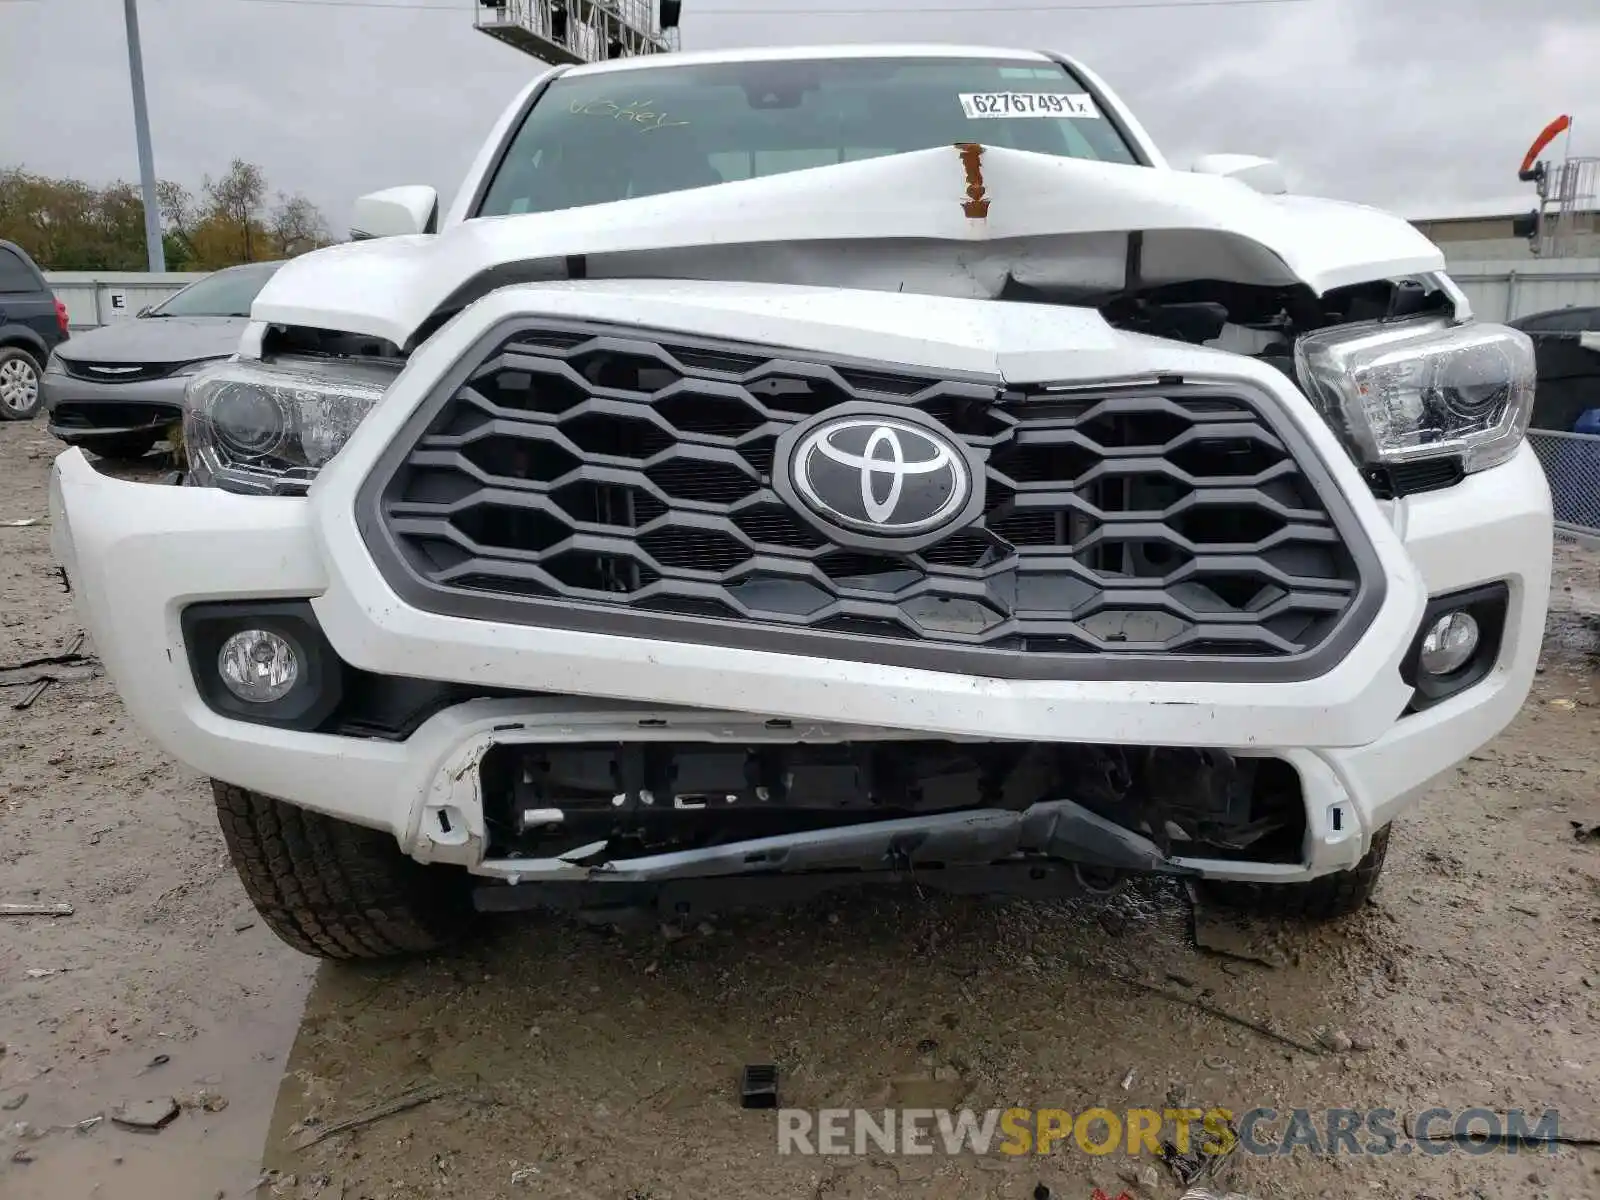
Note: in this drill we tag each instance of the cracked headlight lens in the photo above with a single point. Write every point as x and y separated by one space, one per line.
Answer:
1408 390
269 427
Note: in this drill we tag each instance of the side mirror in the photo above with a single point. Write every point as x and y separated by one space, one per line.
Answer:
395 212
1263 174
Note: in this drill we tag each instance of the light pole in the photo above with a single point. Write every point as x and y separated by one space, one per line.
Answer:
141 132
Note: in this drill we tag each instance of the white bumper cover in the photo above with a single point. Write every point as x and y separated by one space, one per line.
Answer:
138 554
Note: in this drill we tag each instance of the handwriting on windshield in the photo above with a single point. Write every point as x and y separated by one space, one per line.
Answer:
637 113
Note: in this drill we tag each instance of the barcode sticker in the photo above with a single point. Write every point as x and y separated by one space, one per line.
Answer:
980 105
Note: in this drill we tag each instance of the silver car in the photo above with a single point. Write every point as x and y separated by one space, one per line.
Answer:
117 390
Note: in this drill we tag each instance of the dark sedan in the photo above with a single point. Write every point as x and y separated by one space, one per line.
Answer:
117 390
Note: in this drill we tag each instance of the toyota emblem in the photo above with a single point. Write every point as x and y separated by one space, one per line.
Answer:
891 477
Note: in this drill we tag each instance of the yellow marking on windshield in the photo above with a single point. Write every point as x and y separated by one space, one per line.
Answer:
638 113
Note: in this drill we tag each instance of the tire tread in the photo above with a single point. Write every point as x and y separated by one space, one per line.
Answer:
336 890
1324 899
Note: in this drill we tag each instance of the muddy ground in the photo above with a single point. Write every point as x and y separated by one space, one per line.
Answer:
575 1062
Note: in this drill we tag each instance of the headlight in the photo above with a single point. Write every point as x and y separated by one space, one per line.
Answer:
1410 390
269 427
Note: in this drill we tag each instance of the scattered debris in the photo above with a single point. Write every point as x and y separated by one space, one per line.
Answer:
209 1101
1585 833
1197 1167
33 693
1112 921
24 674
15 1102
1127 1080
1215 1062
242 924
671 932
523 1174
1336 1040
1526 910
1221 1014
86 1125
758 1086
414 1098
24 523
72 654
146 1116
22 1156
1218 931
41 972
1464 1137
35 910
160 1060
1564 704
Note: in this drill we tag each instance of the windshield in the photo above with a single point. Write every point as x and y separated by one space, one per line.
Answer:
617 135
228 293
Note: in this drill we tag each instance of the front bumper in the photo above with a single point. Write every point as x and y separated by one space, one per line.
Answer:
138 554
83 411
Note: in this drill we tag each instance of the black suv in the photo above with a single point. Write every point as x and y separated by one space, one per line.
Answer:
32 324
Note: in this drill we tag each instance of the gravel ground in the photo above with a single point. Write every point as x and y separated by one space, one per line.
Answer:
576 1062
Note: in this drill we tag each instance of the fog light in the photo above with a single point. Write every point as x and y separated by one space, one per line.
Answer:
1449 643
258 666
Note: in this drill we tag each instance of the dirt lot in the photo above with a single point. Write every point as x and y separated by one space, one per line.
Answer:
575 1062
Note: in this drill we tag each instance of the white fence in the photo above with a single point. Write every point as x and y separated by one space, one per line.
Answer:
1505 290
95 298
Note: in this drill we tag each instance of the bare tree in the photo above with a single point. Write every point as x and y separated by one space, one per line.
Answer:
235 201
295 226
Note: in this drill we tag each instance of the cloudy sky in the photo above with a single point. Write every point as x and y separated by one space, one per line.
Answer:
1418 105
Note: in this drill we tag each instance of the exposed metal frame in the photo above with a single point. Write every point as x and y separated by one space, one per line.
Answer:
578 31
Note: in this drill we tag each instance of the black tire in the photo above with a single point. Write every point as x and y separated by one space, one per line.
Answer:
125 447
1322 899
336 890
20 378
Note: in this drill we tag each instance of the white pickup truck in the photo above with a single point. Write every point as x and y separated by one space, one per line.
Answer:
795 468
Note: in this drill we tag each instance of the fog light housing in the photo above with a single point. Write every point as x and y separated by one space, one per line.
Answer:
258 666
1456 645
1449 643
266 662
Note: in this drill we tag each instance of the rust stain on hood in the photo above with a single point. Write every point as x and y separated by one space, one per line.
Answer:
977 202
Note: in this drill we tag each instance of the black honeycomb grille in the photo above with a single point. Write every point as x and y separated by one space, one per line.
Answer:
626 475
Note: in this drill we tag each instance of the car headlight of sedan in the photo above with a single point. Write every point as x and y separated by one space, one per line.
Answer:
1403 391
268 427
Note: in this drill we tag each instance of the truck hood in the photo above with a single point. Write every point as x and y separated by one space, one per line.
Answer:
964 221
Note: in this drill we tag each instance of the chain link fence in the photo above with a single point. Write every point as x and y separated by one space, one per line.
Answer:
1571 463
